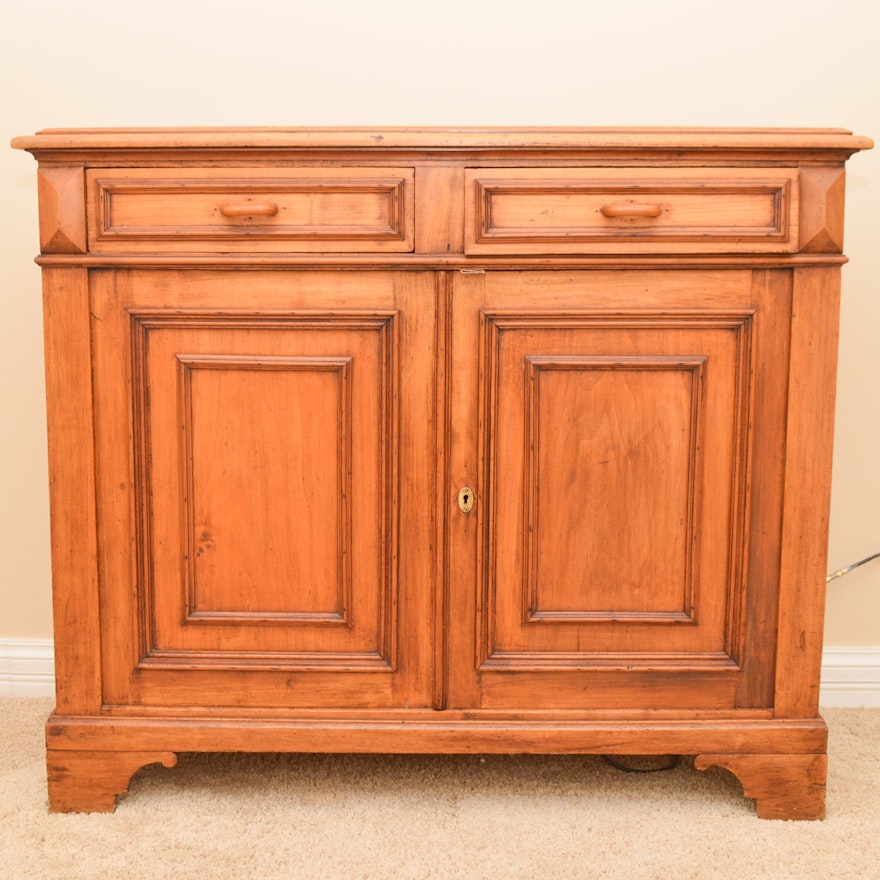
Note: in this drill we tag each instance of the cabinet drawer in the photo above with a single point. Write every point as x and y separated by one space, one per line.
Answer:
630 210
212 210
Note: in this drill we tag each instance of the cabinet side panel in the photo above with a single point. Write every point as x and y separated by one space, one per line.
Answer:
771 296
807 487
72 490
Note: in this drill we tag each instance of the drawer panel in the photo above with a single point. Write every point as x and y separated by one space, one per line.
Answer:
630 210
211 210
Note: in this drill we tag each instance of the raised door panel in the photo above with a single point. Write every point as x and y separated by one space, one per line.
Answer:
613 481
278 479
612 477
269 449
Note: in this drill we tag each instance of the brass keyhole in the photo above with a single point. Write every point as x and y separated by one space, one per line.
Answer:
466 500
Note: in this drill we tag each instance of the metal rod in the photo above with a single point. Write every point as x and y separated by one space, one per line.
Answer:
841 572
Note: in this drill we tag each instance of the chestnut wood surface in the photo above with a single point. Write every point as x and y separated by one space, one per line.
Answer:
278 361
783 786
83 781
514 138
195 210
645 210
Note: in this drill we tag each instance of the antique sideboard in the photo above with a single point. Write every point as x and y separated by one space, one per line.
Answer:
440 440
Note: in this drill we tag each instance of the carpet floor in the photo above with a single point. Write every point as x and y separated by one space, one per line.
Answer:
364 817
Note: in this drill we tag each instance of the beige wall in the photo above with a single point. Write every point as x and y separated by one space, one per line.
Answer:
627 62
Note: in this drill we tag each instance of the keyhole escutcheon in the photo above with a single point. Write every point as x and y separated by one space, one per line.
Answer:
466 500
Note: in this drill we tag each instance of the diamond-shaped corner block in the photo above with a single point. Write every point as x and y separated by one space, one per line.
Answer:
821 221
63 209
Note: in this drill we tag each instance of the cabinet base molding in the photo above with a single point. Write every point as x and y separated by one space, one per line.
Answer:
781 764
429 732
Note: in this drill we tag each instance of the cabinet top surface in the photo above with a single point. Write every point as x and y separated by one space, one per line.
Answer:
567 138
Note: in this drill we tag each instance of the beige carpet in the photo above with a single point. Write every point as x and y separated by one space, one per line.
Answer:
548 818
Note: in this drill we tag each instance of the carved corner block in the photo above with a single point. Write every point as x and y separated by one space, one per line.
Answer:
783 786
62 209
821 214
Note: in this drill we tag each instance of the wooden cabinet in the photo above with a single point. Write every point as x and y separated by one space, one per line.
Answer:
440 441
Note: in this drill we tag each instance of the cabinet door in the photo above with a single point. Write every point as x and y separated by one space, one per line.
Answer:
265 446
622 436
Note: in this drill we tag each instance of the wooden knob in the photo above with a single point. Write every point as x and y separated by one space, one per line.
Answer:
612 211
259 209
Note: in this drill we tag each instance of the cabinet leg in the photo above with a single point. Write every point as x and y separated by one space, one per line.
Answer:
784 786
89 782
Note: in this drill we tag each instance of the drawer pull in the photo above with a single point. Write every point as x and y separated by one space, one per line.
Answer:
263 209
612 211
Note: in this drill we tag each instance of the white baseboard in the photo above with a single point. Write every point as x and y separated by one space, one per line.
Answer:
850 676
27 668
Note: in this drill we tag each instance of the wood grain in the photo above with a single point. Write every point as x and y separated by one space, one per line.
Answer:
807 499
199 210
384 138
645 210
62 209
821 224
287 579
440 210
784 786
90 781
427 731
598 593
67 328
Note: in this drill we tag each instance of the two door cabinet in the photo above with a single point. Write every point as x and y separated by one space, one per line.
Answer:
421 440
